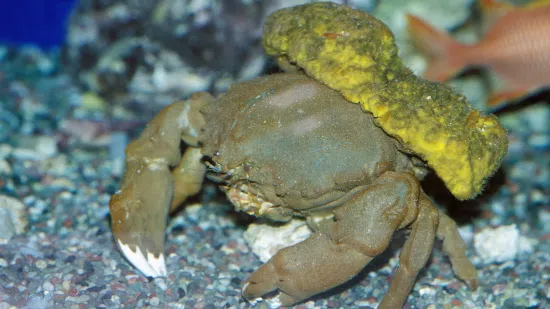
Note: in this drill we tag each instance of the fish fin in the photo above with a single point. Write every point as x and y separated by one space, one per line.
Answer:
537 4
493 10
494 5
436 46
501 98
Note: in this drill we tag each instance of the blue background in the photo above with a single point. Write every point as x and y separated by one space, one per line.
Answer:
40 22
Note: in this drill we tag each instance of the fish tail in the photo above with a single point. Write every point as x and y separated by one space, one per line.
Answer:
440 49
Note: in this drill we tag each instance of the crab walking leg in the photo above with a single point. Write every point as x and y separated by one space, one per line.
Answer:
139 209
455 248
414 255
362 229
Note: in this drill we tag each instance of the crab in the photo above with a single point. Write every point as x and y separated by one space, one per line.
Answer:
292 145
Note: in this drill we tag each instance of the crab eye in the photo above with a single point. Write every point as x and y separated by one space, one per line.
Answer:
247 167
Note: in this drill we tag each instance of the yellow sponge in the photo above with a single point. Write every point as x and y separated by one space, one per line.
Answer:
355 53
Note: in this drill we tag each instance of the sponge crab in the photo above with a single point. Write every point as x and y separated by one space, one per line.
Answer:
292 145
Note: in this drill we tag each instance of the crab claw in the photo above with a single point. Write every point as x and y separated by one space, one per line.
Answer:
139 211
138 215
150 266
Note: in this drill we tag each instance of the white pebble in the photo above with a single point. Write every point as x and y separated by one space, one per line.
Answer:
48 286
467 233
46 146
5 150
5 167
501 244
38 148
155 301
41 264
265 239
13 219
426 291
161 283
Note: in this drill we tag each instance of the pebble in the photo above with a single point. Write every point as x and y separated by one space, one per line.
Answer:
536 117
5 150
118 142
48 286
36 148
265 239
5 168
155 301
544 218
13 218
501 244
7 230
539 141
427 291
66 285
467 233
78 299
41 264
92 102
46 146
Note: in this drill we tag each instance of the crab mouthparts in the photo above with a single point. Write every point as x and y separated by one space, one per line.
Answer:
242 197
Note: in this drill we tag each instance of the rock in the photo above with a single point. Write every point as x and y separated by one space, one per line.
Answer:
13 219
5 168
266 239
501 244
36 148
164 50
5 150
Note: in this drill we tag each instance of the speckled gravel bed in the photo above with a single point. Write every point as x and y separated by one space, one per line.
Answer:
67 258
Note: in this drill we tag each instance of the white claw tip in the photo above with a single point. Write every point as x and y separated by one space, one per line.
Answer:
158 264
150 266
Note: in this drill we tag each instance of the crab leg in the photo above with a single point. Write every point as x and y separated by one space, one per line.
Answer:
414 255
362 229
455 248
140 208
298 272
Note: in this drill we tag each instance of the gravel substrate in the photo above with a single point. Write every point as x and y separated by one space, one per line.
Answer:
67 257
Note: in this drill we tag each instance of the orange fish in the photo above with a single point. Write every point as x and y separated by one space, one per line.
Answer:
516 47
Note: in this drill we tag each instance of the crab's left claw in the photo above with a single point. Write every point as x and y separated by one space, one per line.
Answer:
140 208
